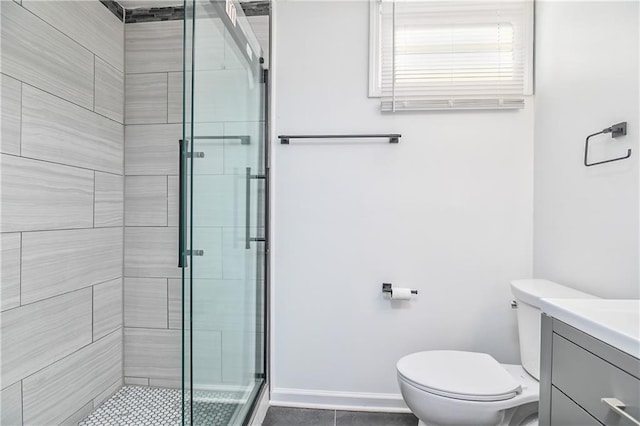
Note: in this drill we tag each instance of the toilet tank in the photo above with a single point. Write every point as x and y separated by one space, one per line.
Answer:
528 294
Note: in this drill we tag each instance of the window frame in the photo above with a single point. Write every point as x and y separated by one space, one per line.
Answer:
375 49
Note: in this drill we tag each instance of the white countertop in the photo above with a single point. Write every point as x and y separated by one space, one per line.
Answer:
614 321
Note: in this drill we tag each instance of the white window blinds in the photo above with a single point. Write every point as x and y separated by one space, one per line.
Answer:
455 54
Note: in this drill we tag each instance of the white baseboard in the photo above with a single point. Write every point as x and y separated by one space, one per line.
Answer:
348 401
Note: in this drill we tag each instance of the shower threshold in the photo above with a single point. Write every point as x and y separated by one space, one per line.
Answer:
142 405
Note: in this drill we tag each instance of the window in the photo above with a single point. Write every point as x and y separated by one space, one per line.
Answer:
428 55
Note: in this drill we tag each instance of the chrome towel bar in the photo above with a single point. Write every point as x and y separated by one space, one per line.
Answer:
393 137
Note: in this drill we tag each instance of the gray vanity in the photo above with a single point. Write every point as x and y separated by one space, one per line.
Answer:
589 371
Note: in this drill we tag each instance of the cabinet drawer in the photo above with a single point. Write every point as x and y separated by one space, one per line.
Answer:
586 379
565 412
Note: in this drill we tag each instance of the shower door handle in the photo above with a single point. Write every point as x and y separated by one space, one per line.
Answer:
181 181
247 210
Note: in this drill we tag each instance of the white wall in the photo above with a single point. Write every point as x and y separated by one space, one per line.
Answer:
448 211
586 218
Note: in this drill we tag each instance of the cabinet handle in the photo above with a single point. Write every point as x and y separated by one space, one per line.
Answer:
618 406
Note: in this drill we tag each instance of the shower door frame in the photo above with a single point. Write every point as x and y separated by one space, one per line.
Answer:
184 254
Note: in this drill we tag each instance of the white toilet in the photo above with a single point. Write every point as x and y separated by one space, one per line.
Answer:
456 388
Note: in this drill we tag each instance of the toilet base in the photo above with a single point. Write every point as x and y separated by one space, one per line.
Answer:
525 415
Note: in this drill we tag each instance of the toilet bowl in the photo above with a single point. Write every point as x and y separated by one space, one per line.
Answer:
464 388
457 388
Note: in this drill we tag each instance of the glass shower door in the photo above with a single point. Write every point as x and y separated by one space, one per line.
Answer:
224 183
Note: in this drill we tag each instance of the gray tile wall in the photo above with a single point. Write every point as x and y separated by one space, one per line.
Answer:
62 166
153 117
153 47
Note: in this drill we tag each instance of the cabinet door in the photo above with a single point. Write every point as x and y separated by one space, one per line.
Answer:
587 378
565 412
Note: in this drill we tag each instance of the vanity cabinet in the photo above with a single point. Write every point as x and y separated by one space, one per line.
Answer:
583 380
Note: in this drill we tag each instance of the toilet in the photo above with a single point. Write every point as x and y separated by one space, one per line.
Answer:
456 388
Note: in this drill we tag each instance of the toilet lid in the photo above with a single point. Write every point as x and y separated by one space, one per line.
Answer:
462 375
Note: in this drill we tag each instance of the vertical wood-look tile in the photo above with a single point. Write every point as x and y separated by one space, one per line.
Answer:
145 302
62 388
225 95
38 195
153 46
11 92
238 156
109 83
79 415
175 97
107 308
61 132
87 22
38 54
165 383
236 263
152 149
238 356
151 252
229 207
55 262
207 355
153 353
210 240
226 305
38 334
11 404
136 381
109 200
233 57
213 149
175 303
108 392
215 36
146 98
172 200
146 201
10 273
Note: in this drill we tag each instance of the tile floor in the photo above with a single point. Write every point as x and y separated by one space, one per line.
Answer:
138 405
282 416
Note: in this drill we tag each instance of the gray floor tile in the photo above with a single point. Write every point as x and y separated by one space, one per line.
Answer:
355 418
282 416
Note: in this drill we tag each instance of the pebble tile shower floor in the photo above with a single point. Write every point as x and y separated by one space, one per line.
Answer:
138 405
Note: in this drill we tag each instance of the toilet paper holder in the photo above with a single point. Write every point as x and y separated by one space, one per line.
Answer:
387 288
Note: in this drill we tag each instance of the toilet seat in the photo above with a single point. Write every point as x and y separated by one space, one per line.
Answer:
470 376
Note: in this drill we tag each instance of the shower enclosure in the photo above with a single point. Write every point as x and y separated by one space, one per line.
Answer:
223 179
